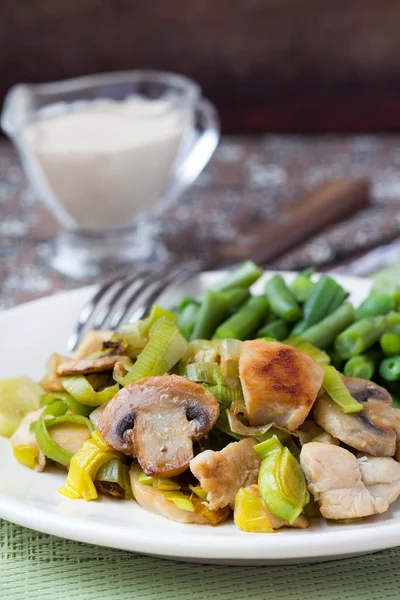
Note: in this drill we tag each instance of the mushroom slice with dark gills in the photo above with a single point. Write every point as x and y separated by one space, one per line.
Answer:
372 430
280 383
157 419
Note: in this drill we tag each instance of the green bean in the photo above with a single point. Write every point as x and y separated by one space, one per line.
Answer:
325 298
278 329
212 312
302 287
243 276
236 297
382 299
187 319
360 336
389 368
323 333
246 321
281 300
363 365
390 344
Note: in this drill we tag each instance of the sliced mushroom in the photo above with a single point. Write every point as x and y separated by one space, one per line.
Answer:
280 383
372 430
222 474
154 501
311 432
86 366
92 342
51 382
157 419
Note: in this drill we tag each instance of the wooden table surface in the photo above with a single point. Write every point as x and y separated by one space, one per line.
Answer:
245 182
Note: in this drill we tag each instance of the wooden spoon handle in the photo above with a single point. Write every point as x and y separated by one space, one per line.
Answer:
297 221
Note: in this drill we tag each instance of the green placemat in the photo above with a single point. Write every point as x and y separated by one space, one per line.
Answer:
37 566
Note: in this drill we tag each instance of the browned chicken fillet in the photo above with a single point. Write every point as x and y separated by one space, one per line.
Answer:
222 474
280 383
334 478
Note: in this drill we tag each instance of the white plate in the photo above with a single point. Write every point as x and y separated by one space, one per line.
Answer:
28 334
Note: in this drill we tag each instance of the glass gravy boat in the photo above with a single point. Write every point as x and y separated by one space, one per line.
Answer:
106 153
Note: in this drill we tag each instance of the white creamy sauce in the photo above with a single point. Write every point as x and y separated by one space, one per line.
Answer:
107 161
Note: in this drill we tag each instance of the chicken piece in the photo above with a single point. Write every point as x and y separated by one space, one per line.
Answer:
92 342
222 474
381 476
280 383
372 430
300 523
24 437
334 478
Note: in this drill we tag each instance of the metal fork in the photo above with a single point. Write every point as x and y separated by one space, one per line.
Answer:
127 297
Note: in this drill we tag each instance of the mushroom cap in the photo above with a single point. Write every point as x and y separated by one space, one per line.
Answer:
157 419
370 430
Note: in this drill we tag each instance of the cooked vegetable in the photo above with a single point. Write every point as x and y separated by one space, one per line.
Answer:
75 407
213 310
243 276
236 297
363 365
368 430
246 321
302 286
208 373
250 513
281 300
382 299
86 366
92 343
335 387
281 482
187 319
277 329
166 413
360 336
82 391
321 357
390 344
156 501
50 447
51 382
18 397
280 383
324 333
324 299
113 479
83 468
389 368
164 349
25 447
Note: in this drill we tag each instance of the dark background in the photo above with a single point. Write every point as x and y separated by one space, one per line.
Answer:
269 65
